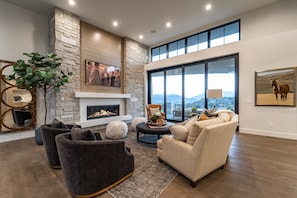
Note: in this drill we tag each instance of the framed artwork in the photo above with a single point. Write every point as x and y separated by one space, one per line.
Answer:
102 74
276 87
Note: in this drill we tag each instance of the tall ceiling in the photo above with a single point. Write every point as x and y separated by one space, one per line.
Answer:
147 17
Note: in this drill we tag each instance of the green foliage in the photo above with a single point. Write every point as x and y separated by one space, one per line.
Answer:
155 118
41 72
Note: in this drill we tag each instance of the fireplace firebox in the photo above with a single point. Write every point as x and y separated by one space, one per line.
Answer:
102 111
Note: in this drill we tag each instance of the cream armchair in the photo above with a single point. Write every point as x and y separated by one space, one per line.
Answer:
208 152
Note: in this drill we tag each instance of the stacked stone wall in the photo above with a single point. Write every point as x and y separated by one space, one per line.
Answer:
65 42
135 56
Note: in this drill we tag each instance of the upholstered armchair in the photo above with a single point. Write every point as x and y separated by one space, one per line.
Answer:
48 133
203 150
152 109
92 167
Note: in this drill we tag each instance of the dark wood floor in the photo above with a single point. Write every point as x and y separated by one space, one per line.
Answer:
257 167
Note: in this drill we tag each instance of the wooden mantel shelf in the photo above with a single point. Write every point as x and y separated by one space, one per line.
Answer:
100 95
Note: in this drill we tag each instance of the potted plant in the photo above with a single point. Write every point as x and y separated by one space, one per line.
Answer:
194 109
40 72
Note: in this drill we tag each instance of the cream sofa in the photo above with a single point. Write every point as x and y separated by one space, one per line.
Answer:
204 149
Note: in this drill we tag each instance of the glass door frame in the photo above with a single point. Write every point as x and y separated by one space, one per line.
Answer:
205 62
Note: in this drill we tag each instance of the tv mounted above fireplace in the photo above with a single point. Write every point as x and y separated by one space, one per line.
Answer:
102 74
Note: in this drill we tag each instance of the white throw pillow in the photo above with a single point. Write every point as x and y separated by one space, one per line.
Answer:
154 110
226 116
190 122
179 132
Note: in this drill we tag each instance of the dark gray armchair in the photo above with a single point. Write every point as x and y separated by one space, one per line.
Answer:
48 134
92 167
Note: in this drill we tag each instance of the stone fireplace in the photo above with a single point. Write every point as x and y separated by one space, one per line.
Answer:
103 108
70 105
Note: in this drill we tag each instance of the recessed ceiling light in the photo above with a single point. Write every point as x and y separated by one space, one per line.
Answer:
115 23
71 2
208 7
168 24
141 36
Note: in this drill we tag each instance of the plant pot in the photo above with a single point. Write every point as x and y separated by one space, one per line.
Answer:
38 137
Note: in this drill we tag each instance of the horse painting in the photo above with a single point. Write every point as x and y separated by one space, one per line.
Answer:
282 89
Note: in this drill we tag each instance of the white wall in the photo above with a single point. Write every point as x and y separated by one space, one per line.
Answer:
268 41
21 31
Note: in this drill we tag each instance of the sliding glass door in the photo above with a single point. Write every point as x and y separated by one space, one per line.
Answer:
157 88
183 87
194 88
221 75
174 94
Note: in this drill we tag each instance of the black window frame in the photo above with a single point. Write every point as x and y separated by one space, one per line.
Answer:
197 34
205 62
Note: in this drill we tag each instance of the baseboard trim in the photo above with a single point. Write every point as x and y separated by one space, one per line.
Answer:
276 134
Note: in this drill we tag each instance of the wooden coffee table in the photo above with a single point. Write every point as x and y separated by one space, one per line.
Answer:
144 128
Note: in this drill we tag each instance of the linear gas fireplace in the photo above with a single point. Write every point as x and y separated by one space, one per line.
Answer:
102 111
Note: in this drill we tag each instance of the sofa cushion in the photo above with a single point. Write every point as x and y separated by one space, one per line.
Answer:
179 132
199 126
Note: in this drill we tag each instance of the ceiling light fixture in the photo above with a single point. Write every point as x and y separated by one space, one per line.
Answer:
115 23
208 7
168 24
71 2
141 36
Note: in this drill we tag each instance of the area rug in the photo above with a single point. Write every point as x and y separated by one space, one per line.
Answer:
150 177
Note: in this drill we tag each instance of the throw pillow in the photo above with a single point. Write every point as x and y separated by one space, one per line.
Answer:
225 116
154 110
80 134
58 124
211 112
179 132
190 122
203 117
197 128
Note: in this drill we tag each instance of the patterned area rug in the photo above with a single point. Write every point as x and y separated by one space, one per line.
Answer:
150 177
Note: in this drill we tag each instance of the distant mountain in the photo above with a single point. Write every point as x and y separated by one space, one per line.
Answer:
176 99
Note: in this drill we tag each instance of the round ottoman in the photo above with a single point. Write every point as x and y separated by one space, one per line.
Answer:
136 121
116 130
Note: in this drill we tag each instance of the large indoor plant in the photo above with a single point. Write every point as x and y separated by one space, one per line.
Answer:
40 72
